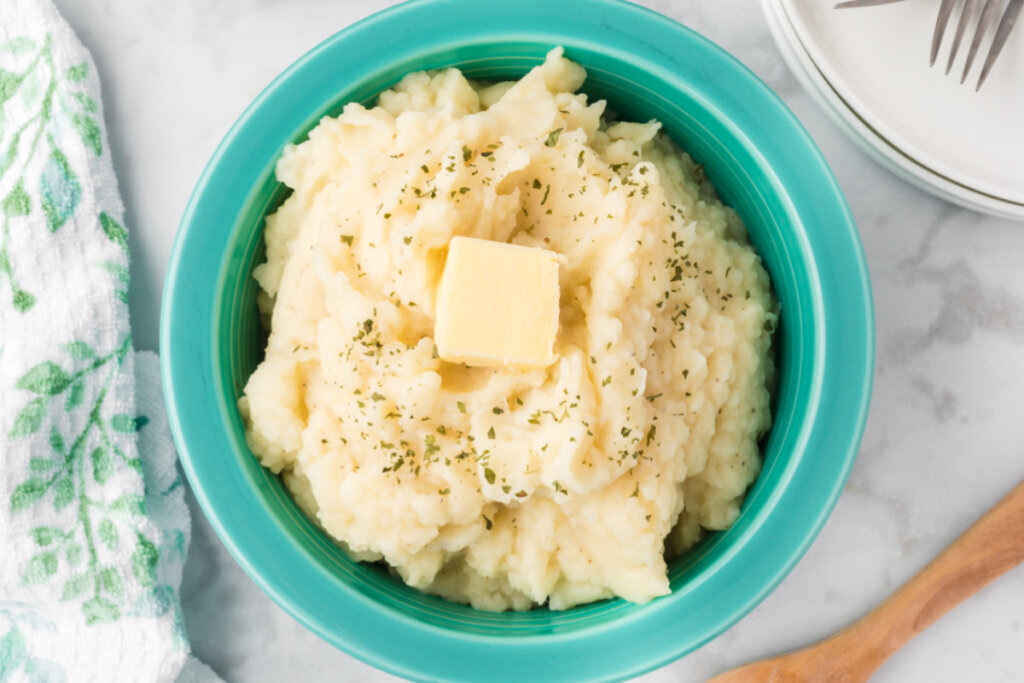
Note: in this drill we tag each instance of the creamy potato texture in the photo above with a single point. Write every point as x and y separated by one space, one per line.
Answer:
502 488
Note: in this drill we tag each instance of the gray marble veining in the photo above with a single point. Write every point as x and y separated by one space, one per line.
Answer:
944 438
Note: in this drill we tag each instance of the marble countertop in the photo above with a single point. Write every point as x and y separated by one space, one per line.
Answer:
944 439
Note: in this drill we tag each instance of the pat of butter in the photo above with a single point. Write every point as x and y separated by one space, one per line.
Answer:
497 305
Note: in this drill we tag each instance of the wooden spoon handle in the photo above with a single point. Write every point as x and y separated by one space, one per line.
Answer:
992 546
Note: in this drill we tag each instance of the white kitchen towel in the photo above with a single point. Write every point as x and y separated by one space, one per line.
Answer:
93 523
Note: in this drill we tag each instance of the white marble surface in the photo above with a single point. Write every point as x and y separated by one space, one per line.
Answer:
944 441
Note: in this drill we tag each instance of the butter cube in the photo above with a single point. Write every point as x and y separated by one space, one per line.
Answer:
497 305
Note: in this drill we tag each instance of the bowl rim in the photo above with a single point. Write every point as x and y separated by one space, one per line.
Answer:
180 373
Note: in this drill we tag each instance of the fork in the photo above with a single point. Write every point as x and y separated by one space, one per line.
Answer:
1003 29
988 14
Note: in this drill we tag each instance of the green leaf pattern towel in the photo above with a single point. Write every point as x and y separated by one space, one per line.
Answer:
93 523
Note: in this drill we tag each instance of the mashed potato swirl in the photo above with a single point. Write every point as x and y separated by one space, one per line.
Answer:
508 489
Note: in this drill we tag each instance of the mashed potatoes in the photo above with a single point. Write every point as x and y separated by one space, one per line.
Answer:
501 488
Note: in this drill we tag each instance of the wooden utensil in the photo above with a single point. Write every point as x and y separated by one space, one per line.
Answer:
992 546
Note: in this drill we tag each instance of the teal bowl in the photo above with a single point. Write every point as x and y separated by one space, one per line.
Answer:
763 163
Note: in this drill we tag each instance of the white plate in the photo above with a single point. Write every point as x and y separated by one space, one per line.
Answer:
869 69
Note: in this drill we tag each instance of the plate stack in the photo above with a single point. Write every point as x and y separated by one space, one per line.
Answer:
868 68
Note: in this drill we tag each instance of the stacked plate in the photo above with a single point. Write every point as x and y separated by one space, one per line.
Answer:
868 68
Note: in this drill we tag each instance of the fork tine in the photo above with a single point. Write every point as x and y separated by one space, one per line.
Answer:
945 9
1006 24
965 17
987 14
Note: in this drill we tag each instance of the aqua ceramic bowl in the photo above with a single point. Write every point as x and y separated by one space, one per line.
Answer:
764 164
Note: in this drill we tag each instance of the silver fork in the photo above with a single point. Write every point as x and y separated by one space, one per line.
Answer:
1003 29
988 13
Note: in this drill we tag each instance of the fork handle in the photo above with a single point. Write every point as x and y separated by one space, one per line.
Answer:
991 547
